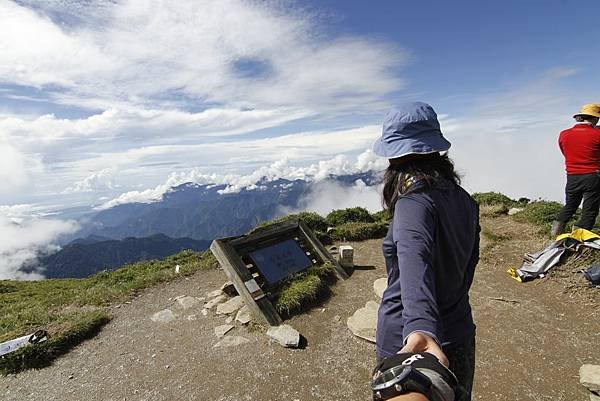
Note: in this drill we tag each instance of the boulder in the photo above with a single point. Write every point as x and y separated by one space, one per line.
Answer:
231 341
379 286
363 323
231 306
589 376
220 331
244 316
164 316
285 335
187 302
215 301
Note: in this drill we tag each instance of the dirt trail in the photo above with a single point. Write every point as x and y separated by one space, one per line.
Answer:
532 339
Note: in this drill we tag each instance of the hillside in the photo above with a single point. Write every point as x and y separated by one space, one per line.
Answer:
532 338
88 256
201 212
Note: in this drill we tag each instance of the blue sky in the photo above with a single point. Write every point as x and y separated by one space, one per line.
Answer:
105 102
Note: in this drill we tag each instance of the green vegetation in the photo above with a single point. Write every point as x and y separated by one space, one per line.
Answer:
540 213
72 310
382 215
353 224
357 231
353 214
304 289
493 198
313 220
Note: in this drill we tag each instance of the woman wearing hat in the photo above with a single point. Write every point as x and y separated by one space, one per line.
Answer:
432 245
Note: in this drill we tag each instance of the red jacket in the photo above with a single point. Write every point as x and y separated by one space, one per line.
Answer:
581 147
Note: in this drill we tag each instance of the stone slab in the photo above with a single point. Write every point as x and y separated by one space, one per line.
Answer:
589 376
285 335
231 341
231 306
363 323
379 286
220 331
163 316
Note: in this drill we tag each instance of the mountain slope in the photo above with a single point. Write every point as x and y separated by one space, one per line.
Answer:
85 257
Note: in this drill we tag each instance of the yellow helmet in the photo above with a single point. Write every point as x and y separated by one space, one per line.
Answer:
589 110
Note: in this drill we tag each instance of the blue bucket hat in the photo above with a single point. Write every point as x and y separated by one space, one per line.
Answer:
410 129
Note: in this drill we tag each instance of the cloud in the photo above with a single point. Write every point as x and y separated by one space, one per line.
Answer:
188 51
16 168
328 195
93 183
24 238
339 165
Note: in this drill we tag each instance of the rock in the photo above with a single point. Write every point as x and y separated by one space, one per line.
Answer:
164 316
229 289
244 316
379 286
514 210
363 323
187 302
229 319
192 317
215 301
346 256
204 312
337 318
589 376
220 331
285 335
231 306
231 341
215 293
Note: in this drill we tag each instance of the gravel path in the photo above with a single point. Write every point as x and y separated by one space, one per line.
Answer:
532 339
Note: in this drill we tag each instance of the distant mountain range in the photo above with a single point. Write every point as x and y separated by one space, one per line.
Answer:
189 216
86 256
201 212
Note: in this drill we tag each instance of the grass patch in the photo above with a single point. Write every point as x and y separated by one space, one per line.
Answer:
314 221
303 289
358 231
382 215
493 237
72 310
539 213
354 214
493 198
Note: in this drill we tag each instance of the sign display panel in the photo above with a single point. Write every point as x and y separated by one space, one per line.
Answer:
281 260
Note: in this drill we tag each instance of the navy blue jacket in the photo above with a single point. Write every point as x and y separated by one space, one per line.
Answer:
431 250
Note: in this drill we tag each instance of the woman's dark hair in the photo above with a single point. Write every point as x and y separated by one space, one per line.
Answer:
429 169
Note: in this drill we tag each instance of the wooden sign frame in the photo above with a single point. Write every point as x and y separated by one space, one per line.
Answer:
230 253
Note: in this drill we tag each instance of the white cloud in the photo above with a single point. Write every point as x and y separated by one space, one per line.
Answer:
93 183
327 195
24 238
339 165
248 54
16 168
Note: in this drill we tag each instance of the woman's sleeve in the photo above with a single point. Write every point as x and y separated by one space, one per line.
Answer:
414 233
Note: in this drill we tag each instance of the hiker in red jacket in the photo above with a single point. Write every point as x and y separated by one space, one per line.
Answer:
581 147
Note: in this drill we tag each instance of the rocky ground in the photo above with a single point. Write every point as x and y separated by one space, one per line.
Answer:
532 340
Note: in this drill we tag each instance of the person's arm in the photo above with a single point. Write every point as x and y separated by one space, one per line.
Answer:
414 234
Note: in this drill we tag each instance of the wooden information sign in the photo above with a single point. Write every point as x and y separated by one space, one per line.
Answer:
256 262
